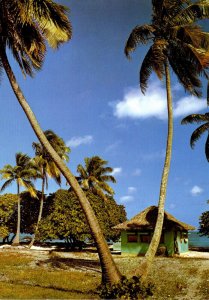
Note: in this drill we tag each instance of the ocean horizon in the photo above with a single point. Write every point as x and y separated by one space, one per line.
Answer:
196 240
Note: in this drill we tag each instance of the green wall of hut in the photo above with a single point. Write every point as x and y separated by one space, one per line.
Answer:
140 248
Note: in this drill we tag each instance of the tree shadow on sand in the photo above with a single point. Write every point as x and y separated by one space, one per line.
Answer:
74 263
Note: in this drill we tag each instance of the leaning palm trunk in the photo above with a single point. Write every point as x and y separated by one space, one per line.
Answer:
16 240
147 261
40 212
110 272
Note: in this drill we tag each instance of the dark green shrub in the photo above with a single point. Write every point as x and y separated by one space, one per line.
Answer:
130 288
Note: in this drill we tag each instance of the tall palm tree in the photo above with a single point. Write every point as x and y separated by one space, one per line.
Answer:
178 43
25 27
21 173
46 167
199 118
95 175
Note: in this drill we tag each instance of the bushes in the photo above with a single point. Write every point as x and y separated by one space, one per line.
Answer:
130 288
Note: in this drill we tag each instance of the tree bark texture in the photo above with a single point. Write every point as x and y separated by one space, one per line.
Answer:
148 259
40 210
16 240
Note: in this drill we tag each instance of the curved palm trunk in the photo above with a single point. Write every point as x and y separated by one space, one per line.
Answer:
40 211
110 272
148 259
16 240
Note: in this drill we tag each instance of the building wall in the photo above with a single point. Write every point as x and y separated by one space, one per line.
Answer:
140 248
132 247
169 242
182 241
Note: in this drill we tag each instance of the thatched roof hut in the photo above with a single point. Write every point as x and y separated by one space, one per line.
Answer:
147 219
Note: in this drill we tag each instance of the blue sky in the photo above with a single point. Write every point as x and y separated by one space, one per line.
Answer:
88 93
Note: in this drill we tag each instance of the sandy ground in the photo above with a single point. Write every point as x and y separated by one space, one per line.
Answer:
195 254
47 250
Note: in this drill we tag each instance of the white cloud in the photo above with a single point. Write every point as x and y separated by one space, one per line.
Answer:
116 171
79 140
135 105
125 199
188 105
196 190
129 198
137 172
132 189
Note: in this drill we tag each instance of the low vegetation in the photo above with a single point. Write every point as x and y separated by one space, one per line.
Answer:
76 275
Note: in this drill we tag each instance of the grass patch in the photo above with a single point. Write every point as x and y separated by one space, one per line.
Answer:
23 276
203 288
18 280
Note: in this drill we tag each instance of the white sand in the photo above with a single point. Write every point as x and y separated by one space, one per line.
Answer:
195 254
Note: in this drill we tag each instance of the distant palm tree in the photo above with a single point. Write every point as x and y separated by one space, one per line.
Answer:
178 42
199 118
95 175
46 167
22 174
26 26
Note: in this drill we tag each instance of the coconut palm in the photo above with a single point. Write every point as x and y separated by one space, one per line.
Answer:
179 43
95 175
25 27
199 118
22 173
46 167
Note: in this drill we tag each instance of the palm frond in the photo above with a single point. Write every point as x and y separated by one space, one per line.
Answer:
22 159
195 118
201 56
108 178
184 68
105 187
85 184
33 43
82 172
207 148
7 171
51 18
154 60
146 70
97 191
28 185
38 148
6 184
198 133
208 93
192 13
139 35
191 34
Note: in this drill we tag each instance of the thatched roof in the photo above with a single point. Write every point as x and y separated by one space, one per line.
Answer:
147 219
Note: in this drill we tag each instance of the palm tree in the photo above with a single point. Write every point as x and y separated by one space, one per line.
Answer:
46 167
95 175
199 118
25 26
178 42
22 174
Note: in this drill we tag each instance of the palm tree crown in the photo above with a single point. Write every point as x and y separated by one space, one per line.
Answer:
95 175
22 173
44 160
26 26
199 118
175 38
